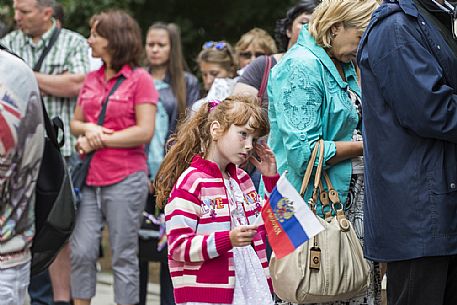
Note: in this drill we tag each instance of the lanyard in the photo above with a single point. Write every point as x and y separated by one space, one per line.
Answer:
451 10
447 7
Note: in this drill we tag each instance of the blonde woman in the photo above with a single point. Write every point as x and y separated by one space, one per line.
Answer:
255 43
313 94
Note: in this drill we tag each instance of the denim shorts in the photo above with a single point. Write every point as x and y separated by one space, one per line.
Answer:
13 284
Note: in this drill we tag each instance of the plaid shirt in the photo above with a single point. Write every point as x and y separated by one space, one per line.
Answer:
70 53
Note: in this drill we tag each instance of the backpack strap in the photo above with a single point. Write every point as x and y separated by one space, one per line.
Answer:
51 131
51 128
266 73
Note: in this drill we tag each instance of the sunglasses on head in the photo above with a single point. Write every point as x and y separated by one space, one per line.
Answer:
248 54
218 45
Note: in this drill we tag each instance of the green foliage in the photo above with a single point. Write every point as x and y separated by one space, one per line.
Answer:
203 20
200 20
78 12
6 17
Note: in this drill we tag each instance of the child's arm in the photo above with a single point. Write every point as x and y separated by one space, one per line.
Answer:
184 245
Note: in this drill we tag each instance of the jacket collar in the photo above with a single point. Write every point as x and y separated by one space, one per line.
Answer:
408 7
306 40
211 168
388 8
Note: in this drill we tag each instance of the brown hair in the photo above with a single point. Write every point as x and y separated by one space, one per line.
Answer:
123 35
224 57
193 137
176 64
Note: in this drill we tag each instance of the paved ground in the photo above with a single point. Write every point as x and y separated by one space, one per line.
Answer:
105 291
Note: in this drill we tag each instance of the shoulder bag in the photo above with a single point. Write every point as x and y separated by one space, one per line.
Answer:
55 200
266 73
79 172
330 267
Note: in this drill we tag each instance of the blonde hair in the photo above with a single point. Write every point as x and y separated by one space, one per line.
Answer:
224 57
258 37
350 13
193 137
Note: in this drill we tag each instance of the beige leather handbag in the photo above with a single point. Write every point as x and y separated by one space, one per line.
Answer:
329 267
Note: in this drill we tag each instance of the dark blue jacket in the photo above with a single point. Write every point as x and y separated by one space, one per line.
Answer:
409 77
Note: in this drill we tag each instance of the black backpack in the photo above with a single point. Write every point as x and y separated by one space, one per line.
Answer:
54 195
55 201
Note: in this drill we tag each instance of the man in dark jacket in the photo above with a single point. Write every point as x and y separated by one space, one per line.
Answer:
408 62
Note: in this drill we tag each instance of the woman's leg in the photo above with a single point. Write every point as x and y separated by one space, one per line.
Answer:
144 275
84 247
123 204
166 285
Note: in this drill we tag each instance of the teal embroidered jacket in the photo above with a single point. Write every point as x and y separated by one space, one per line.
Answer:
309 100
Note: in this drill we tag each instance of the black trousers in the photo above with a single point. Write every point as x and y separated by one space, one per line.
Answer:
423 281
166 286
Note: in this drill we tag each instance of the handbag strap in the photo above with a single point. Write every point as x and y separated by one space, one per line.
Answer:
309 169
332 193
102 115
336 204
266 72
317 178
319 146
52 40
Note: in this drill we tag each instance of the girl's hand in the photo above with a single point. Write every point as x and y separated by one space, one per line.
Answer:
242 235
94 134
267 164
82 146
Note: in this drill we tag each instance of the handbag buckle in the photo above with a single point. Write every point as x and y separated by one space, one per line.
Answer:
315 258
342 221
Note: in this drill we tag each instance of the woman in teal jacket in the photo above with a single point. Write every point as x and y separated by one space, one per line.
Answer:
314 94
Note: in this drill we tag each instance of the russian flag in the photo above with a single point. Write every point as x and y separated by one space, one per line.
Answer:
289 222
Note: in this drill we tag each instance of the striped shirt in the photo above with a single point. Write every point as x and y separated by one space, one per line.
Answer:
198 223
69 54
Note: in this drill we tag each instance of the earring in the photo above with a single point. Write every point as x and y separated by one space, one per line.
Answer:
333 35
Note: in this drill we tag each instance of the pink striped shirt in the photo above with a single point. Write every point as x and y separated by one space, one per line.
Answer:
198 225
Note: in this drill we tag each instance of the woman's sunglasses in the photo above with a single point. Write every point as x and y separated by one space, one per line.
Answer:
218 45
248 55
